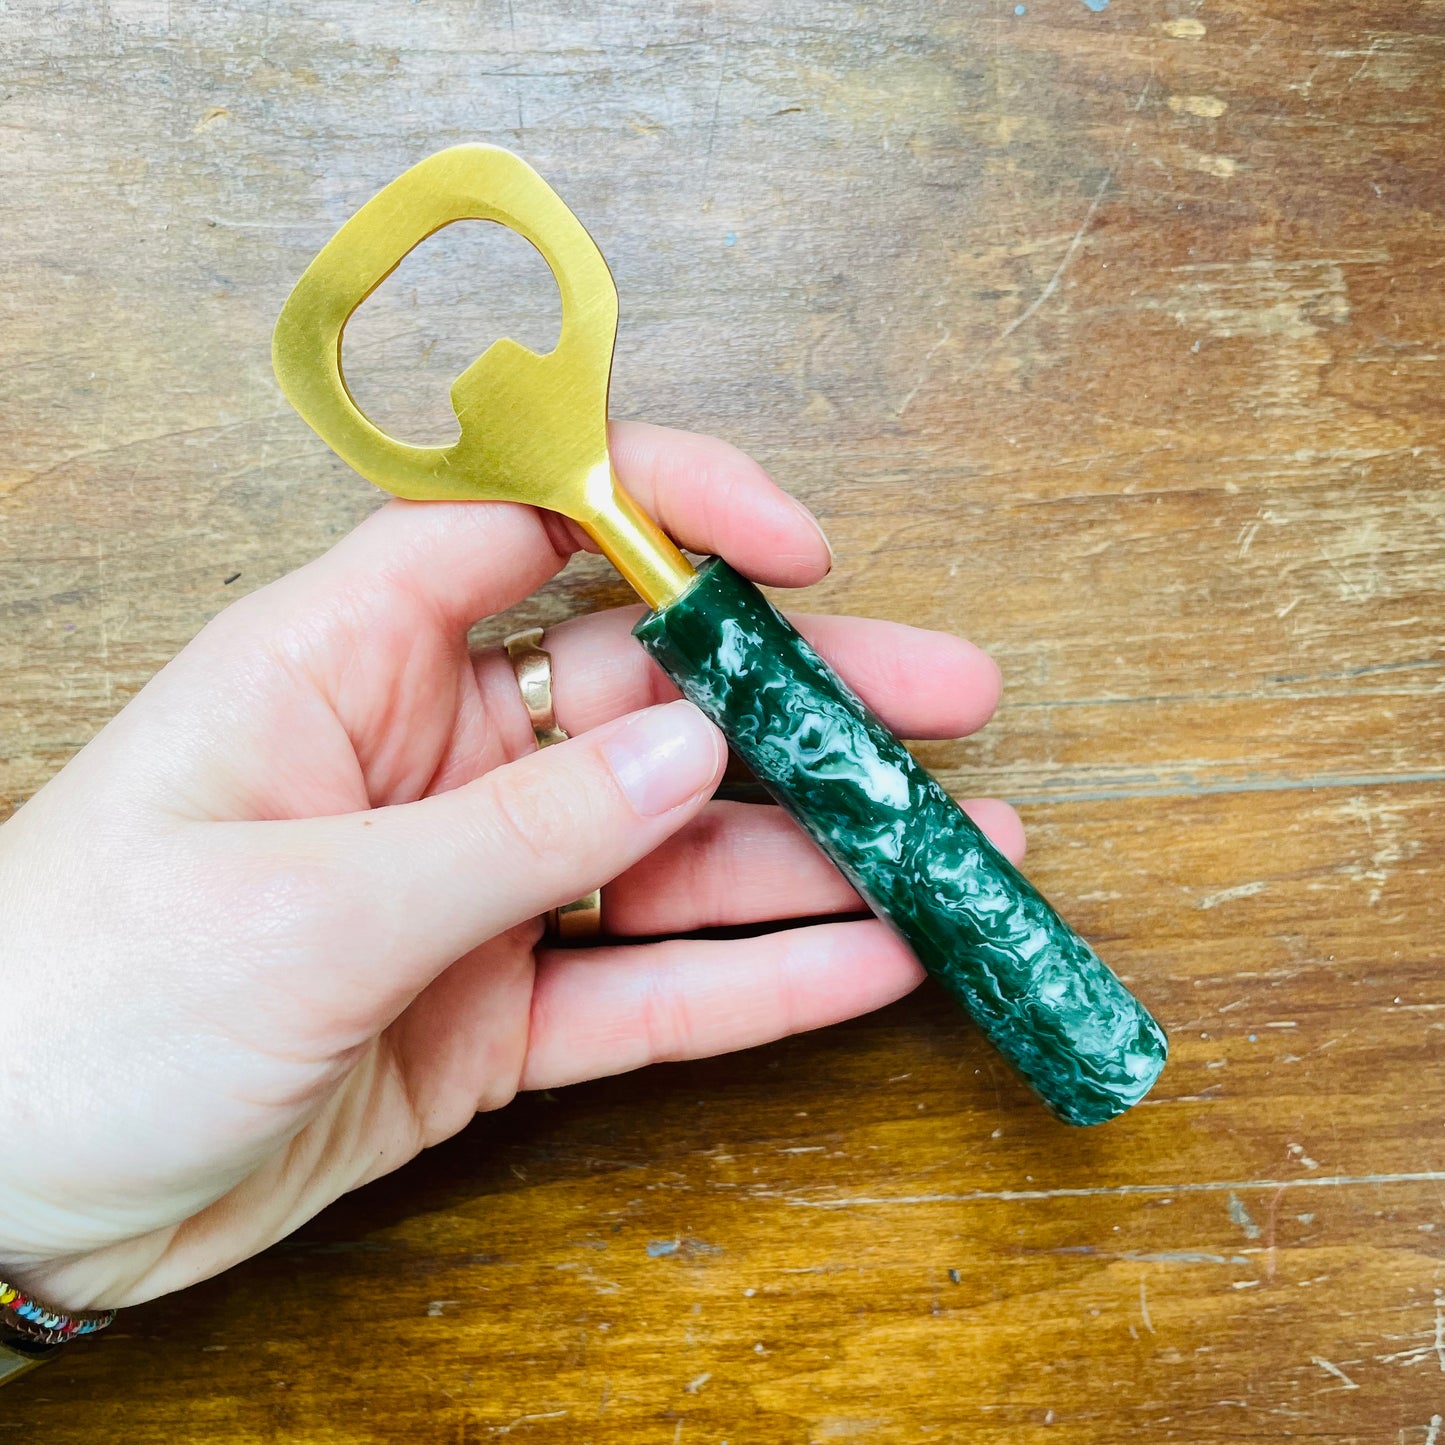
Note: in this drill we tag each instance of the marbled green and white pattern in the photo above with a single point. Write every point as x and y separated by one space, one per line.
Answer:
1050 1005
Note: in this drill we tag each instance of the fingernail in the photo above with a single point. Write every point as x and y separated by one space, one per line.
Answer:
818 528
664 757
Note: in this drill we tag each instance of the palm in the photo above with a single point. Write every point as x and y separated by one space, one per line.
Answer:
385 708
413 721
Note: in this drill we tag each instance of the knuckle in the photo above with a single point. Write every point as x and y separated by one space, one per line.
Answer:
535 818
664 1021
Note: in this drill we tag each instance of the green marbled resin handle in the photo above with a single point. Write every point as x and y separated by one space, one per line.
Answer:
1052 1007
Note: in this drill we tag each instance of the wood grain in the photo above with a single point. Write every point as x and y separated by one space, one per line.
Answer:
1112 339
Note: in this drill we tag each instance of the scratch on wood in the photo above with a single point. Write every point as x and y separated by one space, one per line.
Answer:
1334 1370
104 626
1228 895
1144 1308
722 70
1271 1248
1416 1355
1106 1191
526 1420
1206 107
1069 254
1086 223
1210 790
923 370
1183 1256
1376 43
516 78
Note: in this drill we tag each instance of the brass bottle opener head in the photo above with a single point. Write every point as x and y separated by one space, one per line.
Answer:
533 428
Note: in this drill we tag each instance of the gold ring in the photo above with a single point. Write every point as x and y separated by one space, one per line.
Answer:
532 665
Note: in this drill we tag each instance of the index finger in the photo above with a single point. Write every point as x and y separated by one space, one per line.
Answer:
710 497
463 561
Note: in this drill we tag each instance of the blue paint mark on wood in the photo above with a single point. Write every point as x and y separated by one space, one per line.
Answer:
1097 5
683 1248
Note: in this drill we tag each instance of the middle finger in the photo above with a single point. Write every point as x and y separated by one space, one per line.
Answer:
922 684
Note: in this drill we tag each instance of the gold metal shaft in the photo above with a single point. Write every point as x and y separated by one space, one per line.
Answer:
640 550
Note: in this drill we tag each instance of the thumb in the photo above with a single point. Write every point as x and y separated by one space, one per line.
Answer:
411 888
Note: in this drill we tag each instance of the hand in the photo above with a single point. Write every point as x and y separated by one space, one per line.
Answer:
275 929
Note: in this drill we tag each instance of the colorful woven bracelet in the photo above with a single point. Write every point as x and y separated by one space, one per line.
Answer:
22 1314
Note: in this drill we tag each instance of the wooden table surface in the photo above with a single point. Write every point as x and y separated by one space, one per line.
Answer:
1107 334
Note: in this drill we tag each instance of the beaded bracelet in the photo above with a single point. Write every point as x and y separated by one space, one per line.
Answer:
22 1314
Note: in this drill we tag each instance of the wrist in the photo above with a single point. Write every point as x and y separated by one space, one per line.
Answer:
108 1278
